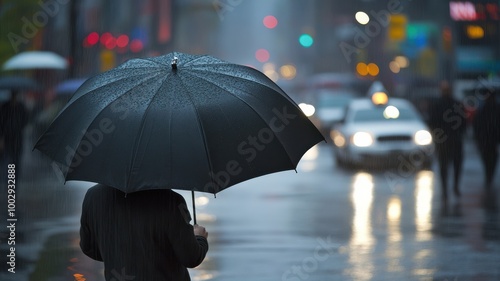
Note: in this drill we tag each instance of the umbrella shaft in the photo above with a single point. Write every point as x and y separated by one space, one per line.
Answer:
194 209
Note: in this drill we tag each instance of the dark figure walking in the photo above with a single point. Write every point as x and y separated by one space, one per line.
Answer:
487 135
13 119
448 124
143 235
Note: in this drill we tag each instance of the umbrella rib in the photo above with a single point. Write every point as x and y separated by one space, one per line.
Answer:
253 81
253 109
139 136
99 87
210 166
86 129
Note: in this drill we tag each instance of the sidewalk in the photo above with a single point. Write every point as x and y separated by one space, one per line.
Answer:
45 208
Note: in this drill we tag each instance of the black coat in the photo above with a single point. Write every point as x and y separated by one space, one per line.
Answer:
486 125
447 122
144 234
13 119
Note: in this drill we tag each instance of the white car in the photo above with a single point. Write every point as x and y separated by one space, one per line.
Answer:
381 133
330 107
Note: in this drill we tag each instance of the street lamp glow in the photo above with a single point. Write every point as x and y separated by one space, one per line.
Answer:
394 67
288 71
402 61
362 17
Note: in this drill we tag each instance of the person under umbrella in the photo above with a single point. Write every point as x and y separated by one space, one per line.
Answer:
176 121
145 235
13 119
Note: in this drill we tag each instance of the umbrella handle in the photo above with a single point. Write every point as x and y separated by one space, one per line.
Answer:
194 210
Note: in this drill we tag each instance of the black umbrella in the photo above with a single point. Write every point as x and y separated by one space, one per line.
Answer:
17 83
177 121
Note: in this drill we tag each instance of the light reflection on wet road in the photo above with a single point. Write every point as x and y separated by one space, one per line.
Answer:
321 223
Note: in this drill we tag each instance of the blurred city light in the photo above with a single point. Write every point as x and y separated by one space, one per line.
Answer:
268 67
338 139
362 139
105 37
288 71
362 198
306 40
262 55
397 27
373 69
423 205
272 74
93 38
270 22
362 17
402 61
362 69
394 209
475 32
423 137
202 201
110 43
308 109
136 45
447 39
122 41
391 112
394 67
379 98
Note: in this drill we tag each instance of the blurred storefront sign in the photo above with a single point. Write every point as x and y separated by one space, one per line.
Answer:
470 11
477 37
107 59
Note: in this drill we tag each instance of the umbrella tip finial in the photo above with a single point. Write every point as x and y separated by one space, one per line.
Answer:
174 63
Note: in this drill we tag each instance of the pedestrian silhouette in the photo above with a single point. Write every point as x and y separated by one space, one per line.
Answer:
487 134
13 119
143 235
448 124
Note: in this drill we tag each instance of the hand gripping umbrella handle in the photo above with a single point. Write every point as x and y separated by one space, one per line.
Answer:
194 210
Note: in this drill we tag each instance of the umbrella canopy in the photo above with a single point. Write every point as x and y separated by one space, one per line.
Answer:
177 121
17 83
36 60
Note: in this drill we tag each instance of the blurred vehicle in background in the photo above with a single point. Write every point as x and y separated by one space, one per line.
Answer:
329 108
378 132
328 94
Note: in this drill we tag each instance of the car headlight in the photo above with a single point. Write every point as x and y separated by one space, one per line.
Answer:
338 138
362 139
308 109
423 137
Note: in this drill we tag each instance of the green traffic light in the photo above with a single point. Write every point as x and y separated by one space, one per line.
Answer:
306 40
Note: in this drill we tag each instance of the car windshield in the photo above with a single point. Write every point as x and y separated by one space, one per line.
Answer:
388 113
334 100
